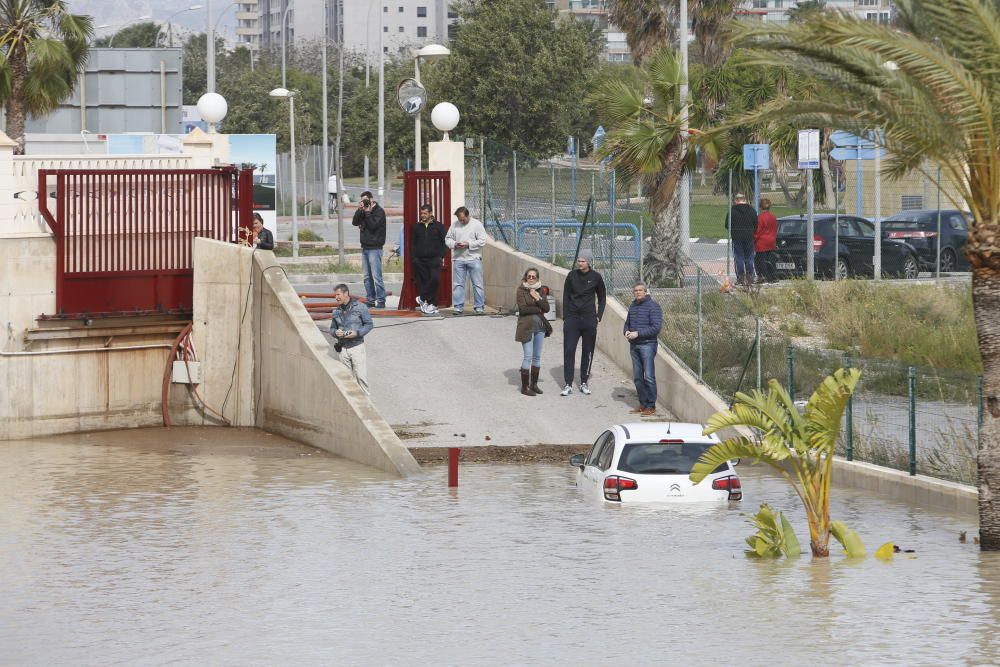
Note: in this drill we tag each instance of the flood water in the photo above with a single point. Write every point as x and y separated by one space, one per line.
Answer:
120 549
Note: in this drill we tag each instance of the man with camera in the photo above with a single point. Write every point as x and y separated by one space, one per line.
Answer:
351 323
370 220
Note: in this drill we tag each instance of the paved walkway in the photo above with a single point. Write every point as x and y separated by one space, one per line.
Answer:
455 381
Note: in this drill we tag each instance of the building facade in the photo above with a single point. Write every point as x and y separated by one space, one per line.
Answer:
776 11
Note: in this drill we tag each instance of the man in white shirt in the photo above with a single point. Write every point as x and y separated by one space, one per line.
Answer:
466 238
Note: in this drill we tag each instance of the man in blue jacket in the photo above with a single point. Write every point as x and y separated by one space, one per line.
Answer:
642 329
351 323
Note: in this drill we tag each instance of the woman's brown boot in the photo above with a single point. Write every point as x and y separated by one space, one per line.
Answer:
524 383
534 379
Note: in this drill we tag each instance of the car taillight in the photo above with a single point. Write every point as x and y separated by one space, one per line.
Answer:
817 243
614 485
731 484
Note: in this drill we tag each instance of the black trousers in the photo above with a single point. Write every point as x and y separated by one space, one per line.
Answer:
575 328
428 273
764 262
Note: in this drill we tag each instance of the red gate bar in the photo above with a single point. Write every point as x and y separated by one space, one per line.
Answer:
124 238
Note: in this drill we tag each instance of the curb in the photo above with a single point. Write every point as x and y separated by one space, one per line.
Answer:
334 278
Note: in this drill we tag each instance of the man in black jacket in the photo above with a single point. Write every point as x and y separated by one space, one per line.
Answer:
428 248
580 319
742 224
370 220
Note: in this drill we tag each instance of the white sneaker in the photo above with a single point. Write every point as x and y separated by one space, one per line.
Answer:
584 389
420 302
567 390
432 309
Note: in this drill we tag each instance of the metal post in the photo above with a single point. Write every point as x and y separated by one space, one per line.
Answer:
850 416
339 159
614 203
284 37
381 112
295 194
417 157
685 193
700 357
163 106
912 374
210 49
757 344
552 233
756 184
878 208
937 270
576 150
642 247
517 226
729 224
791 371
482 178
836 226
810 227
858 209
453 454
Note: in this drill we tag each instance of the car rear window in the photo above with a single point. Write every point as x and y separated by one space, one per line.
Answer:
798 227
657 458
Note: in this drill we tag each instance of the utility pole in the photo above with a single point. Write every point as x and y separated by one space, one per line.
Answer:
685 183
326 129
340 181
210 46
381 111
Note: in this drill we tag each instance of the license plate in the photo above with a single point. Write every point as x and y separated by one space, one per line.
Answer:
785 266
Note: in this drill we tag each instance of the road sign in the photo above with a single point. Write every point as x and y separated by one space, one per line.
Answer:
808 149
756 156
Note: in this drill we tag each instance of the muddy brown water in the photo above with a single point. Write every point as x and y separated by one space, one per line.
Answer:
198 547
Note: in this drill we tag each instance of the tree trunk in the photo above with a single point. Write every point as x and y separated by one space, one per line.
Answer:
986 307
663 266
819 535
18 63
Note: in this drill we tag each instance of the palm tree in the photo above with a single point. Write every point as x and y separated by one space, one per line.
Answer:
800 447
711 18
930 83
644 144
42 47
648 25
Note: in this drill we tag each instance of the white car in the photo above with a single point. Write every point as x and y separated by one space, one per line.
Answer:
650 462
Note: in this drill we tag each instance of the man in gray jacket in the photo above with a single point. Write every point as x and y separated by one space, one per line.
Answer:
351 323
466 239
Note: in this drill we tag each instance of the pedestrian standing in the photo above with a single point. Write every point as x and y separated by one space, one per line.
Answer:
351 323
765 243
742 224
466 238
642 330
428 247
263 238
583 288
370 221
532 329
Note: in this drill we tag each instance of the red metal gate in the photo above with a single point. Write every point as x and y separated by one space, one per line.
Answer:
124 238
424 187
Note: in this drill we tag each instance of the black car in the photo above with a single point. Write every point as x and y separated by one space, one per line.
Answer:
920 230
851 251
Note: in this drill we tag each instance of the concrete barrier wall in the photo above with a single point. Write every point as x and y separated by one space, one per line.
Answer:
286 381
45 393
692 401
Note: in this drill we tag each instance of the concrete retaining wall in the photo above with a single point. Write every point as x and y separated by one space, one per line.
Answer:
692 401
285 382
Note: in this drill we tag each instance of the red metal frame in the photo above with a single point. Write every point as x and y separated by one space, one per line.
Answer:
424 187
124 236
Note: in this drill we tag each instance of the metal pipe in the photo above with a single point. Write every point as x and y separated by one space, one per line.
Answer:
552 211
381 111
790 360
284 38
937 270
417 157
810 227
757 344
517 245
912 377
163 97
81 350
685 194
878 206
325 204
453 454
339 159
850 416
295 193
700 357
210 49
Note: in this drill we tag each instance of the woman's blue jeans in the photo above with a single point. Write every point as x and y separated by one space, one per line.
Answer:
533 351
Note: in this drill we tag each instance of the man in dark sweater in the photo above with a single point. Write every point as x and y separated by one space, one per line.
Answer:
428 248
370 221
742 224
580 319
642 328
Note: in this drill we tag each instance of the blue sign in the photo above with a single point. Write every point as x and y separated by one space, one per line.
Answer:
756 156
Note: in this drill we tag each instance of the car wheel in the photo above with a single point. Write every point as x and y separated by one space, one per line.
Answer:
911 268
843 269
948 260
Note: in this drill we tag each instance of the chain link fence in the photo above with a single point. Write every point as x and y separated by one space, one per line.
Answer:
916 419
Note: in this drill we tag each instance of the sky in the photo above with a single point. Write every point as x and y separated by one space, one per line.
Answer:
118 12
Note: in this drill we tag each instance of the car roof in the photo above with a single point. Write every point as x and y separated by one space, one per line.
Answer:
656 431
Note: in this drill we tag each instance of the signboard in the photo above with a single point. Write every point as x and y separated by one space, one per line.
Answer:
756 156
808 149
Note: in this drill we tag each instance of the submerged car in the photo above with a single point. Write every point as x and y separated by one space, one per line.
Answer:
650 462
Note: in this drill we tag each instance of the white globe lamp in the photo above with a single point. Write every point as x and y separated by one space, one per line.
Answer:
445 117
212 107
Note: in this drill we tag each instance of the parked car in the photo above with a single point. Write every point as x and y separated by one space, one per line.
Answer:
848 248
650 462
920 230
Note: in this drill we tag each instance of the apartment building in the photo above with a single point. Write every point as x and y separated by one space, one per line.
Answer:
596 11
776 11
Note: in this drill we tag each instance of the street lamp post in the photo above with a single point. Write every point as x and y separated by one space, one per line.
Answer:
685 193
284 38
381 108
284 93
430 53
210 43
326 133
